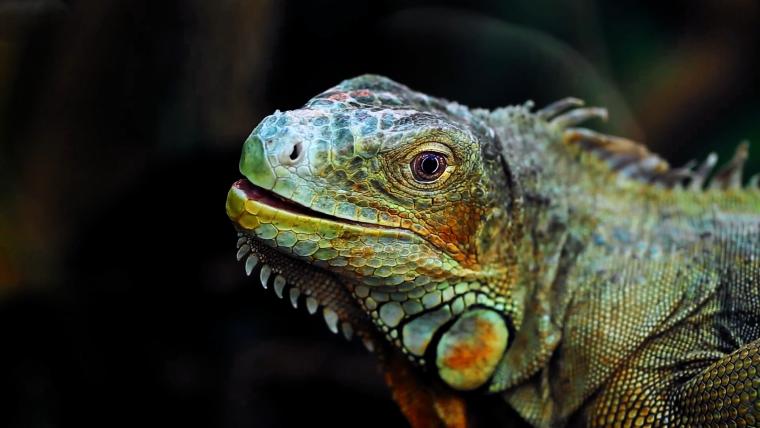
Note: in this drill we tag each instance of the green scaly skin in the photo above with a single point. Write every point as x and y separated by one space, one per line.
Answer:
573 273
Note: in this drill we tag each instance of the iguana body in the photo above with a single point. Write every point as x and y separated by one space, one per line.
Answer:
507 252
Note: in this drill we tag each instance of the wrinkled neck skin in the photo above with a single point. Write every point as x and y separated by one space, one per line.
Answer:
557 194
540 209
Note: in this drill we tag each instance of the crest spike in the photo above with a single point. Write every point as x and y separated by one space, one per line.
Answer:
699 178
730 176
676 176
754 181
579 115
557 107
627 157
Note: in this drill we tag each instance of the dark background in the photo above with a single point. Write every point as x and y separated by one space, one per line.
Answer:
121 303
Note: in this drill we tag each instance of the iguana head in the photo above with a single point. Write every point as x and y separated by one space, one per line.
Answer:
391 210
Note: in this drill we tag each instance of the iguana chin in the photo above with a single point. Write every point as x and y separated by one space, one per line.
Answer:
510 252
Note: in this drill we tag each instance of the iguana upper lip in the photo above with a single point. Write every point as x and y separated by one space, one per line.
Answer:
274 200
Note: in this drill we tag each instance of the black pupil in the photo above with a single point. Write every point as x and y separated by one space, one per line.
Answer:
429 164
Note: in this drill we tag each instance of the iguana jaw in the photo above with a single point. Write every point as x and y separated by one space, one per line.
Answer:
253 208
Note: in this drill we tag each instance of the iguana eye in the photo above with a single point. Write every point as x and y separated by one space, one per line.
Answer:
428 166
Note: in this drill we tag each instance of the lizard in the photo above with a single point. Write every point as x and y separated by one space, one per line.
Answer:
510 253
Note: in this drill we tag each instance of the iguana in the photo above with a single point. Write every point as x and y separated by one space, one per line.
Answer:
510 253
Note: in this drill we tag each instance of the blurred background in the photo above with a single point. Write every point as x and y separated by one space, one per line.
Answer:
121 122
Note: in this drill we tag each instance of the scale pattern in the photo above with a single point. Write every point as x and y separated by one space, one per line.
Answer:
575 275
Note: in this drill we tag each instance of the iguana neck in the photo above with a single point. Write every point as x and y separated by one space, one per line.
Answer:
539 204
566 197
557 190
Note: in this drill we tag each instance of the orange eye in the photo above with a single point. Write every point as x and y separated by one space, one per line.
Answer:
428 166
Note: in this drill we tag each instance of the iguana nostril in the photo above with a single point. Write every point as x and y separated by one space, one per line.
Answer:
296 151
291 154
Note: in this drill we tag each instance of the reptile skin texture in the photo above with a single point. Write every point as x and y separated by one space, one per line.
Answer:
510 253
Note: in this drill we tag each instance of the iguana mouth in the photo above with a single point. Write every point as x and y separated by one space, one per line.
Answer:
269 198
248 203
